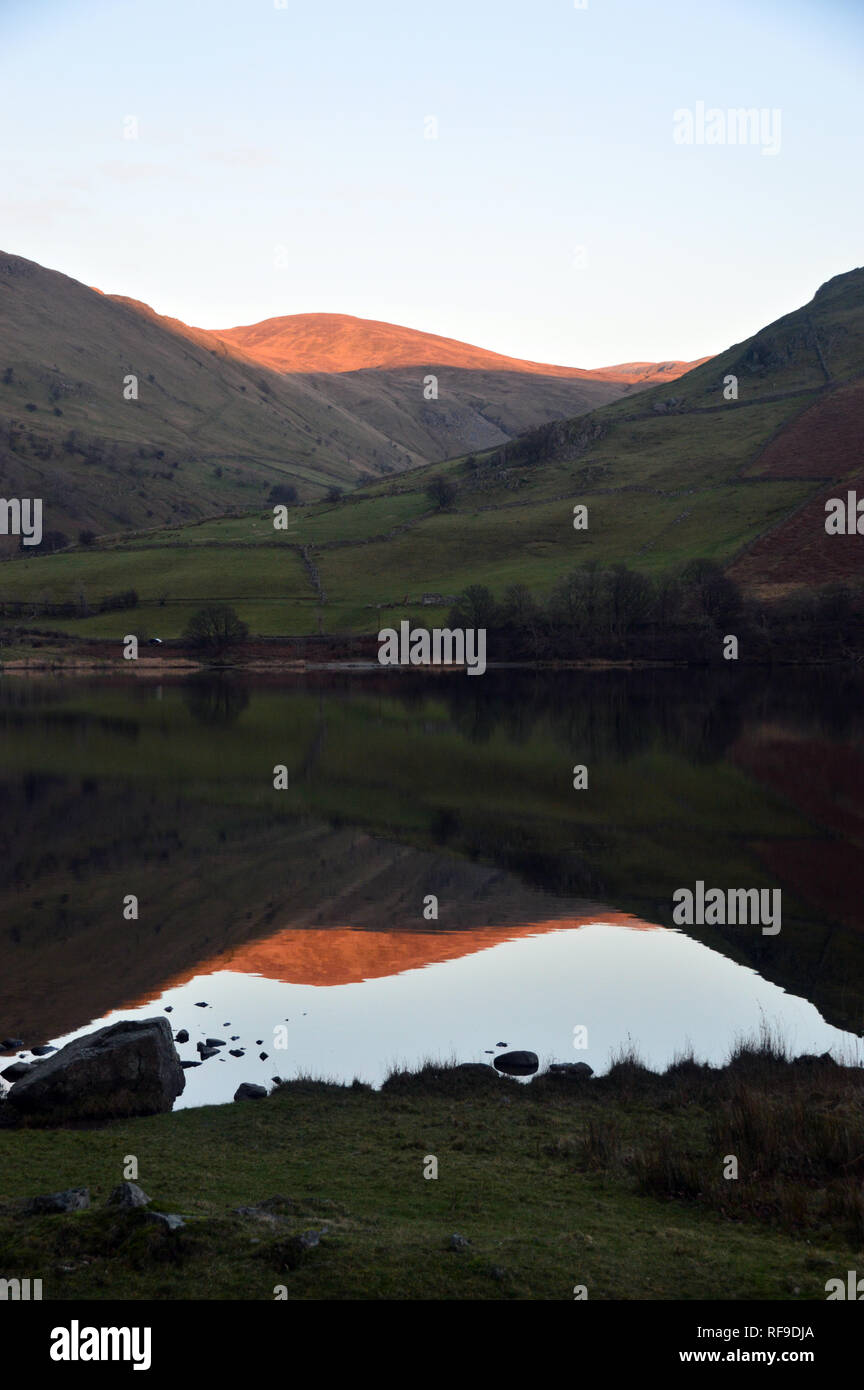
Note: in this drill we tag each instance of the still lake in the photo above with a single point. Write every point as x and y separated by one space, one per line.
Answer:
296 915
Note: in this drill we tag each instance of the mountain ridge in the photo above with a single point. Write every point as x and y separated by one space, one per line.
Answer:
328 342
210 428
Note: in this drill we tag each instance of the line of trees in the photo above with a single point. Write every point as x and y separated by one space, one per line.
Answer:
615 611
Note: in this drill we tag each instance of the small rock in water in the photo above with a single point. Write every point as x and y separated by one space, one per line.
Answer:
262 1056
517 1063
205 1052
73 1199
182 1036
128 1194
458 1243
259 1042
202 1004
247 1091
169 1008
11 1044
186 1065
500 1044
234 1037
215 1042
236 1052
42 1051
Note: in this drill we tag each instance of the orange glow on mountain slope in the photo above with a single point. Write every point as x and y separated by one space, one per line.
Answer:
341 343
327 956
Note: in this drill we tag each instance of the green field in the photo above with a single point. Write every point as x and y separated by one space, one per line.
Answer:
545 1183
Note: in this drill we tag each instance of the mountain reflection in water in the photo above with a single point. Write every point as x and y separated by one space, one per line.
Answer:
554 905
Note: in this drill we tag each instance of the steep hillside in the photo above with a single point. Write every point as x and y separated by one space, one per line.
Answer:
214 428
667 476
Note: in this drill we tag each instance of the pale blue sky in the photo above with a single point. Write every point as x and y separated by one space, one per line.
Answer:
281 165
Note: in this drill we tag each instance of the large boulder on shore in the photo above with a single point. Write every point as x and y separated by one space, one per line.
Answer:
517 1063
128 1068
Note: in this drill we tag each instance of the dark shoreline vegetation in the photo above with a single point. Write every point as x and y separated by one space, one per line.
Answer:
619 613
596 613
615 1182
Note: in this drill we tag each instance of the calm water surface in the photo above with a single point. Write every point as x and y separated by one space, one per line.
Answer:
296 916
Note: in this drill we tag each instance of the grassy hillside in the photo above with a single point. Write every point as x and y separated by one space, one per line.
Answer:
213 427
671 475
612 1185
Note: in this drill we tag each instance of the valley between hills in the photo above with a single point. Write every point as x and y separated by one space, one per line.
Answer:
671 466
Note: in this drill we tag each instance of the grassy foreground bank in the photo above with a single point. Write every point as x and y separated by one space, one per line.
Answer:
614 1183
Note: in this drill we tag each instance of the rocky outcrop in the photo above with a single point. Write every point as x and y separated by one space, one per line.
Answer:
128 1068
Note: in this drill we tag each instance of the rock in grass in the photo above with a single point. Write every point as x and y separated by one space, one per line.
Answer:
517 1063
73 1199
128 1068
458 1243
168 1220
128 1195
292 1251
248 1091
